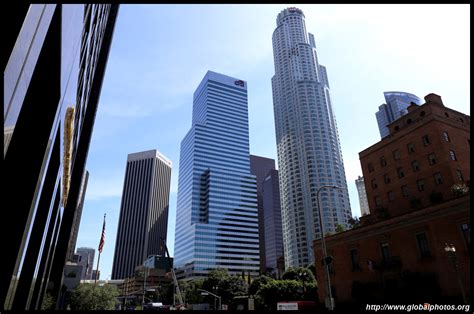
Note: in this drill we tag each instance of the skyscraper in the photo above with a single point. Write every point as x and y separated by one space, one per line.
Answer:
143 211
364 203
259 167
271 224
309 153
216 215
395 107
54 64
86 259
77 216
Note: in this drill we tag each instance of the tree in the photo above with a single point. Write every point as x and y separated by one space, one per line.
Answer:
224 285
339 228
189 290
299 273
48 302
93 297
257 283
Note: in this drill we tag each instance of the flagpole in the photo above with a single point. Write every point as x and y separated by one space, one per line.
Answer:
101 244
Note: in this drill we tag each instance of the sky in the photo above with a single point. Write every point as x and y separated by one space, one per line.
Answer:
160 53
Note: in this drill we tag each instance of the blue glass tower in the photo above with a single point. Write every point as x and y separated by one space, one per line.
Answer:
216 215
395 107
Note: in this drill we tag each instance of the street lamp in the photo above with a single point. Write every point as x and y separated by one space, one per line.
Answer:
145 276
205 292
329 300
450 249
303 275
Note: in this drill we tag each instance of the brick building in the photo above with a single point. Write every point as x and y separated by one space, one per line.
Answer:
398 251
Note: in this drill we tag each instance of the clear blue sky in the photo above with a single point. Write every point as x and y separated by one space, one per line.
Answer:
160 53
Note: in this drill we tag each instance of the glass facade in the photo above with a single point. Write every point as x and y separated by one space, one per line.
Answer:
395 107
216 215
309 153
45 65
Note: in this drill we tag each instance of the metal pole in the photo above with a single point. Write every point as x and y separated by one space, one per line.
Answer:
97 270
323 243
454 261
144 278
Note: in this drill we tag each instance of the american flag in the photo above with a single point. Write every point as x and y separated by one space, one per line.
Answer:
102 237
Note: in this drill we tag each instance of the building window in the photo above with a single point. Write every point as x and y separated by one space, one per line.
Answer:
400 172
459 175
355 260
378 201
386 178
396 154
370 166
411 147
438 178
385 249
383 162
446 136
405 190
415 165
432 159
391 196
374 184
452 155
421 185
426 140
466 232
423 246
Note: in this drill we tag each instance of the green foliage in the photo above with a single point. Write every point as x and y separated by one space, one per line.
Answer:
275 291
189 290
339 228
257 283
459 189
222 284
48 302
299 273
94 297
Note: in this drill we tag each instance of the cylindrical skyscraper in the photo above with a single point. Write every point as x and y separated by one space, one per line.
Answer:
309 153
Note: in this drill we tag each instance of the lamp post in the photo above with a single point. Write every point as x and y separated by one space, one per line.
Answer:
205 292
145 275
303 275
329 300
450 249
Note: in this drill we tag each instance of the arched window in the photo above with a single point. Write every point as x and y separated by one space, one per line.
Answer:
452 154
446 137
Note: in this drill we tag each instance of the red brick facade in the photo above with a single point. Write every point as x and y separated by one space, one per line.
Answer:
397 252
429 143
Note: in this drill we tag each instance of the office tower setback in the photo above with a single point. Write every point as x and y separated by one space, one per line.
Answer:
77 216
309 153
259 167
86 260
395 107
272 222
364 203
54 62
143 212
216 215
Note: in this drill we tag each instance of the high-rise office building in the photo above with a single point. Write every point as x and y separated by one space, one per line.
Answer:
143 218
259 167
54 63
272 224
364 203
395 107
216 215
85 258
309 153
77 216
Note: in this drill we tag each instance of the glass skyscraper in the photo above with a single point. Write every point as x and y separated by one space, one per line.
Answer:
309 153
216 215
395 107
54 61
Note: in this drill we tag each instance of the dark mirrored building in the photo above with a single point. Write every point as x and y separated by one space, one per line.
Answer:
54 59
144 208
